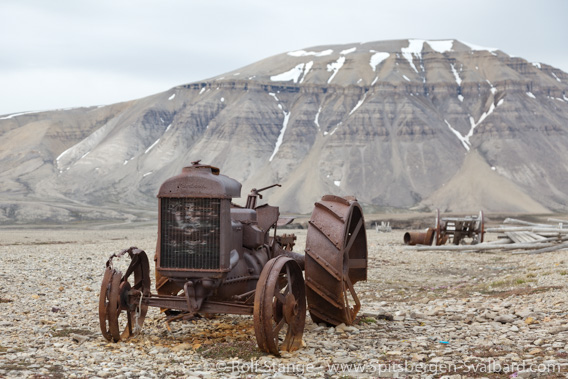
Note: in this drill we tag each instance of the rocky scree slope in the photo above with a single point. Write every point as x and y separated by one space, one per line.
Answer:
405 123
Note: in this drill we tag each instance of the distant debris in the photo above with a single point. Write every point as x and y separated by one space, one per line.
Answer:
522 237
384 227
456 230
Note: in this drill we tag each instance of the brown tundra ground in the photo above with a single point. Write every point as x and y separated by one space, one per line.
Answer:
424 314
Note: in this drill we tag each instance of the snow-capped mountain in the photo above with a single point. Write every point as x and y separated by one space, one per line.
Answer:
402 124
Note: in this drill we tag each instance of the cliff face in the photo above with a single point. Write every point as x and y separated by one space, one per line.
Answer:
401 124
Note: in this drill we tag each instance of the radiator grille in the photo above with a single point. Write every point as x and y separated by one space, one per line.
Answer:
190 233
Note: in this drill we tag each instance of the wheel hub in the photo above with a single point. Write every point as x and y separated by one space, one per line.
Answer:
290 307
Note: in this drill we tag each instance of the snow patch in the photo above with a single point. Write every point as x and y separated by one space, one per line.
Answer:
307 69
479 48
274 96
335 66
76 152
337 182
222 99
460 98
456 75
537 65
146 174
463 140
151 146
441 46
377 58
358 104
406 78
530 94
374 81
168 128
414 49
172 97
17 114
303 53
281 135
202 90
316 120
556 77
293 74
348 51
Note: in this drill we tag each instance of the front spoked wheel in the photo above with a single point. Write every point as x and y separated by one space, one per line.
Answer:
280 306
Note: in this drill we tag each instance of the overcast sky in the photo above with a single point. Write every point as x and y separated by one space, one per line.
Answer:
68 53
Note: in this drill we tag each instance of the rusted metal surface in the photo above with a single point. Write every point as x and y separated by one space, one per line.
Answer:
121 306
336 258
457 230
213 256
419 238
280 306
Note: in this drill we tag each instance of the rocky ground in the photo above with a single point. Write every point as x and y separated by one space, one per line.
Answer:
424 314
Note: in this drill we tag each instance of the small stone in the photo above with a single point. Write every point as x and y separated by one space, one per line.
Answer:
343 360
505 319
559 329
538 342
182 346
418 357
393 353
506 342
78 338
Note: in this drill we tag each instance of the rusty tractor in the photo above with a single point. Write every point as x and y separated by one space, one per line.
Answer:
215 257
457 230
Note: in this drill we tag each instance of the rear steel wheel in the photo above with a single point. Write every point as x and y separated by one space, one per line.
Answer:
336 258
108 303
121 306
280 306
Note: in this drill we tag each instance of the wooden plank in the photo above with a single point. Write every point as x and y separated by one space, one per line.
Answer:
549 249
479 247
513 236
526 237
521 222
536 237
526 229
523 237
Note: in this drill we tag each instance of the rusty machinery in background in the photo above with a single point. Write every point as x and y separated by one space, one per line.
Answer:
457 230
213 256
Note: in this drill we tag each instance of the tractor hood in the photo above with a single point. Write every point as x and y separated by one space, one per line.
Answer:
201 181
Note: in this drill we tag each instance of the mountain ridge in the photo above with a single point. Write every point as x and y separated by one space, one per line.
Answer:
391 122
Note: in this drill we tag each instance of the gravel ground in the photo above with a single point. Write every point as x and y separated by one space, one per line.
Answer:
424 314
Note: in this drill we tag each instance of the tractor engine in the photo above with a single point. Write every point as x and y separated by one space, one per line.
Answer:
203 236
